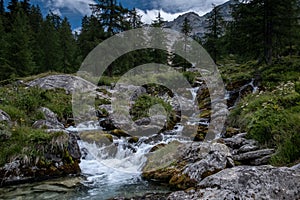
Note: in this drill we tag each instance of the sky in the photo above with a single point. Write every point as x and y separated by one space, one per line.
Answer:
74 10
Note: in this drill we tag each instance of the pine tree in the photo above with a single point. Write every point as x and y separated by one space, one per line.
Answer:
26 6
215 31
135 19
111 15
35 22
158 38
271 31
13 7
92 33
178 61
50 44
19 49
2 8
5 68
68 47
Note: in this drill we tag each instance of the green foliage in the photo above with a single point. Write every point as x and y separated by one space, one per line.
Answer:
215 31
142 105
22 103
272 118
22 142
190 76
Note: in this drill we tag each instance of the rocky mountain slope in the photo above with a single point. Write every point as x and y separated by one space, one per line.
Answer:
200 23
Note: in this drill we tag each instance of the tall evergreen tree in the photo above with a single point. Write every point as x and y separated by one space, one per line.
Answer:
13 7
158 38
92 33
111 15
2 8
271 22
19 50
35 22
26 6
178 61
68 47
5 68
135 19
215 31
50 44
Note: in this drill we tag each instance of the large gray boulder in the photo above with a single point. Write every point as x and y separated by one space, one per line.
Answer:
184 165
247 182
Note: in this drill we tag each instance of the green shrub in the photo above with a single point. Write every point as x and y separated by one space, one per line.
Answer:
272 118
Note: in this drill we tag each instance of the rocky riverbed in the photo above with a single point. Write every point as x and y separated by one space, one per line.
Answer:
231 166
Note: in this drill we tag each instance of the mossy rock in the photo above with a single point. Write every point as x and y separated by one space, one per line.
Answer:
157 147
181 181
133 140
162 157
205 113
230 131
119 133
100 138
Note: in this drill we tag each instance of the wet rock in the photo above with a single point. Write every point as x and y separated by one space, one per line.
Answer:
98 137
157 147
153 139
233 143
107 124
119 133
4 117
50 189
133 140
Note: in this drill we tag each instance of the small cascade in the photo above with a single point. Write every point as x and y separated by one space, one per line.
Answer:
194 92
236 95
111 169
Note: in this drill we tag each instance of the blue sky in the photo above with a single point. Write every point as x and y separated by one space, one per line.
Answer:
170 9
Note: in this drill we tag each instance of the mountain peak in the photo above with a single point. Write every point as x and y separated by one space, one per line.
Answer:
198 23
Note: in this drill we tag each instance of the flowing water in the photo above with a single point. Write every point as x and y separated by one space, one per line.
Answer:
107 171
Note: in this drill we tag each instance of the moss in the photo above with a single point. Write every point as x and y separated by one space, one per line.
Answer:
23 141
99 138
144 102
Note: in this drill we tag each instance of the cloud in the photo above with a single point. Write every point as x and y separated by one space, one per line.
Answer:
76 6
173 6
184 5
149 15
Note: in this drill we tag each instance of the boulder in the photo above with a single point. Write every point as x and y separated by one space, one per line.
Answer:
45 124
67 82
246 182
60 157
49 114
252 155
184 165
98 137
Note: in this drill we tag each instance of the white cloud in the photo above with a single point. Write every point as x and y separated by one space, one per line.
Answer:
184 5
56 11
77 30
77 6
150 15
